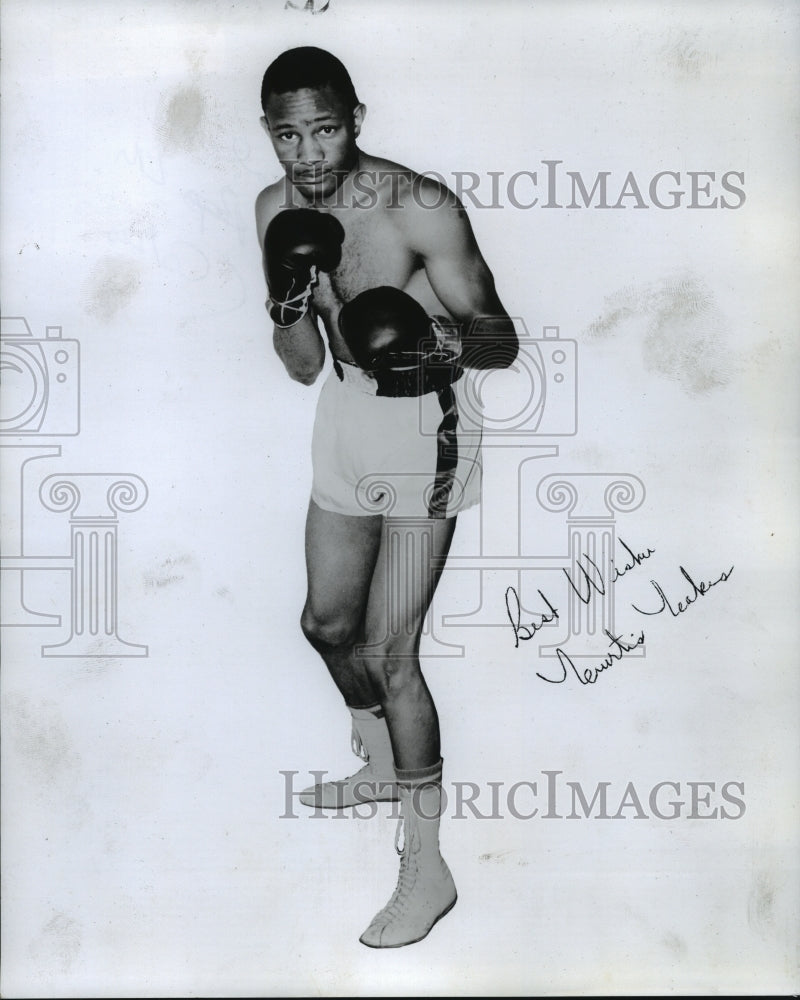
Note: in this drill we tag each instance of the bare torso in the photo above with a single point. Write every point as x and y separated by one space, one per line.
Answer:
377 212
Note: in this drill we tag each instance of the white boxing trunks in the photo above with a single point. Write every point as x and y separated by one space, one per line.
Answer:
407 456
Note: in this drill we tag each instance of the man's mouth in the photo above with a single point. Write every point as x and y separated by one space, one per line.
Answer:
317 178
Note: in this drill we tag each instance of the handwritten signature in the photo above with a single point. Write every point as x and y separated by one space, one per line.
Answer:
590 674
525 632
586 579
698 590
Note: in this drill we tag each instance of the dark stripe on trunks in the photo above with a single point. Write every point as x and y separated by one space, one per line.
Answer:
446 454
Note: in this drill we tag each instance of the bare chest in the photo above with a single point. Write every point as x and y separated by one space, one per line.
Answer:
374 253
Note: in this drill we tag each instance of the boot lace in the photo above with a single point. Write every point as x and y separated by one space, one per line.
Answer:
408 869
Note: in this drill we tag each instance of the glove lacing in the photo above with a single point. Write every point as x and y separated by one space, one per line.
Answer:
302 298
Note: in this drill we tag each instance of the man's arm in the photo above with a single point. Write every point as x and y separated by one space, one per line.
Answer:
460 277
300 346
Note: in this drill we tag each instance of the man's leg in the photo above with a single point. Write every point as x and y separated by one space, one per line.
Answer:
406 574
405 578
341 552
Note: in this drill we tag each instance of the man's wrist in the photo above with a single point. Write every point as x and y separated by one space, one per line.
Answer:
447 333
286 312
285 315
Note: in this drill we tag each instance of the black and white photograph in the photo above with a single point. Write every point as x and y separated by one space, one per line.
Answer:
399 453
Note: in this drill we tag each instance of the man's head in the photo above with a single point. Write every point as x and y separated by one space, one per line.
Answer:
313 117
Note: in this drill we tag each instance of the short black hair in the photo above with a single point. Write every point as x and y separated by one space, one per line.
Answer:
307 67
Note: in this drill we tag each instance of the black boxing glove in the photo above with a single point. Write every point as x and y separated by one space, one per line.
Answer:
384 328
391 337
298 242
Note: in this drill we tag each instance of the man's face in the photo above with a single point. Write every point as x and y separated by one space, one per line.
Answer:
314 135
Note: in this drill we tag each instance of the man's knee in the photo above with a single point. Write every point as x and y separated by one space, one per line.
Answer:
392 664
328 632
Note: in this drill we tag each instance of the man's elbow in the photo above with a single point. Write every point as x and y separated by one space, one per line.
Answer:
301 369
301 365
492 343
305 376
505 352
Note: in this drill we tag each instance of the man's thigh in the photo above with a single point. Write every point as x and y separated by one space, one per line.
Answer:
410 562
341 553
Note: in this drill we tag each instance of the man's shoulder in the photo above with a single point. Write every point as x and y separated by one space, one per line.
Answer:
270 194
406 188
430 216
269 202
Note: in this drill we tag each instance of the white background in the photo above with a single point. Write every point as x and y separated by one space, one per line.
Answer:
143 854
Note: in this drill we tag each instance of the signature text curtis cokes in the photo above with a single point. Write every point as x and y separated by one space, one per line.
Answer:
586 580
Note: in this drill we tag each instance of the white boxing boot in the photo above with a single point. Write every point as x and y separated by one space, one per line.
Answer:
375 782
425 889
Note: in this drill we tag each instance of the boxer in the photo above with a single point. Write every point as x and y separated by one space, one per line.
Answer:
382 264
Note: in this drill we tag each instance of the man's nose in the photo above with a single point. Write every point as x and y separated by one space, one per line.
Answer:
310 150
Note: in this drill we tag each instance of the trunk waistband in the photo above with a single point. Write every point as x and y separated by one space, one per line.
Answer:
411 382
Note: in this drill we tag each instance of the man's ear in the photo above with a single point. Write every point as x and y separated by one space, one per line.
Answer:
358 118
265 124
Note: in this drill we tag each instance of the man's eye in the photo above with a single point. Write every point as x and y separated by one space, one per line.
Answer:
328 129
286 136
